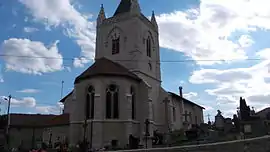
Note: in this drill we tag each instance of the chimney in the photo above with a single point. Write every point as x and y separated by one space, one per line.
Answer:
181 91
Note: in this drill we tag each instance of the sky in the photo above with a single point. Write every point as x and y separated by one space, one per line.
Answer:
217 50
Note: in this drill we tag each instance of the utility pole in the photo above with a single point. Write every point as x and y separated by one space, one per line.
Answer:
8 120
62 88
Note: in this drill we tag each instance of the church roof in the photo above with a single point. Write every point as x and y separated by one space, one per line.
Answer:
266 110
59 120
186 100
29 120
106 67
124 7
64 99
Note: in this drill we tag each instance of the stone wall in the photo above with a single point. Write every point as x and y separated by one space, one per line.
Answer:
260 144
26 136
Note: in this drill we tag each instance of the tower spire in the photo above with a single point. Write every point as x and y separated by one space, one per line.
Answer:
128 6
135 7
101 15
153 20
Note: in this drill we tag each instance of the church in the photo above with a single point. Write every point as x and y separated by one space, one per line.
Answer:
114 97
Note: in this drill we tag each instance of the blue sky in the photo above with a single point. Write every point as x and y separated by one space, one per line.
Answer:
217 39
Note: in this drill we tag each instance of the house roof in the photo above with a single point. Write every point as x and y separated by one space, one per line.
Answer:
123 7
185 100
64 99
58 120
106 67
266 110
29 120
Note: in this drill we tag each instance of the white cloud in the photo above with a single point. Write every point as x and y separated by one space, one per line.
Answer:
178 31
29 91
207 107
32 105
231 84
80 62
23 102
25 64
218 76
48 109
56 109
245 41
264 54
62 13
190 95
265 98
204 33
30 29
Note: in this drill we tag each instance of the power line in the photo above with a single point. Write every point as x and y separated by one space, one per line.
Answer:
187 60
37 103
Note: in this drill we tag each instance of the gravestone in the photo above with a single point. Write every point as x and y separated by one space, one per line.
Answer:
228 125
236 123
213 135
133 142
219 121
158 138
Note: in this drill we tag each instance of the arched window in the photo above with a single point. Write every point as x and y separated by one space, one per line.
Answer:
116 45
90 103
148 46
190 117
133 103
112 101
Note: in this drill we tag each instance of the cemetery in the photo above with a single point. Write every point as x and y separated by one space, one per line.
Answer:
246 131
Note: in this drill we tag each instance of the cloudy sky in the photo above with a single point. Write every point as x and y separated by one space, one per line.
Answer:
218 50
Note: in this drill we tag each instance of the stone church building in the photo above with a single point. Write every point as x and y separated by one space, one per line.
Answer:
123 87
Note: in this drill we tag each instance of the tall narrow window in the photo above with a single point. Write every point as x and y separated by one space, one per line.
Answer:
112 102
190 117
174 114
133 103
148 46
116 45
196 120
90 103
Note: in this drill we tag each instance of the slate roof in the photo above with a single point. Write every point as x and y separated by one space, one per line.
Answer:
29 120
123 7
58 120
185 100
106 67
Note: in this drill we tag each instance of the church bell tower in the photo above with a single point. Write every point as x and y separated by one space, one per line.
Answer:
131 39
